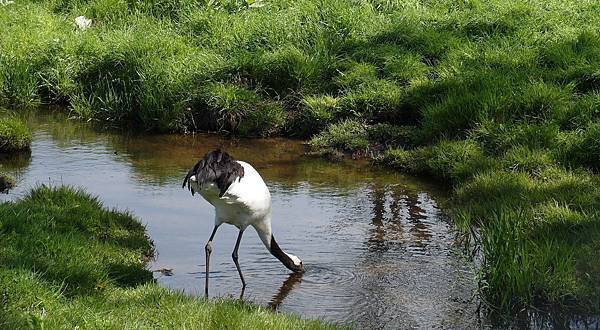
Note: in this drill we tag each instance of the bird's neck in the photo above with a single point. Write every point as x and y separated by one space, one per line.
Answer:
283 257
264 232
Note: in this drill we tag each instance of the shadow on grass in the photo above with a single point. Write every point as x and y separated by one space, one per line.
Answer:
68 238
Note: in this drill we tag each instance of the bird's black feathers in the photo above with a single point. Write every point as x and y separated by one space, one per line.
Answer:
215 167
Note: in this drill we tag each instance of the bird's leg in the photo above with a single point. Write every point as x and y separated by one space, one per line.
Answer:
208 250
234 255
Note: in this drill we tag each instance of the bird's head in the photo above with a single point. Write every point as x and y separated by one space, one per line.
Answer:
298 266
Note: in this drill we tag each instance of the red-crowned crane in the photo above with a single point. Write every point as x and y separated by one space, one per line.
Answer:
241 198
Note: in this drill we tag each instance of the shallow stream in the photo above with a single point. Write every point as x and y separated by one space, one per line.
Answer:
378 250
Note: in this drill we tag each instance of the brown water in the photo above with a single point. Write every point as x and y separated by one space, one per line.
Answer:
377 249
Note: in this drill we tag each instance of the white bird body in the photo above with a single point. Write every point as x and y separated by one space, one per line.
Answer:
246 202
241 198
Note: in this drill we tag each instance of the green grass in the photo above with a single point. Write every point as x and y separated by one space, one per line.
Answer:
499 99
68 262
14 135
348 136
233 108
158 66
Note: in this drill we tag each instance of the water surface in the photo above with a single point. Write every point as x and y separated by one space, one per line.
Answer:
378 250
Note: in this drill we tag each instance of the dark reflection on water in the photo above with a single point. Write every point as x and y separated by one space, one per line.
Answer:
377 250
288 285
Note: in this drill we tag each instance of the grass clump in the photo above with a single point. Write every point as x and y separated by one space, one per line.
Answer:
581 148
236 109
349 136
497 138
356 138
6 182
14 135
66 260
539 237
406 68
316 113
452 161
356 75
379 101
523 159
388 135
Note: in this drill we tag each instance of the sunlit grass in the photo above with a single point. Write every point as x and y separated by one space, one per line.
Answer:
443 65
14 135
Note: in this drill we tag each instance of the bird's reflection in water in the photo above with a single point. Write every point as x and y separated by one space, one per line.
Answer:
285 289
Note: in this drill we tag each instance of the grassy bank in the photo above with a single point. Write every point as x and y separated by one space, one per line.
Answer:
500 99
65 262
14 135
536 221
294 67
